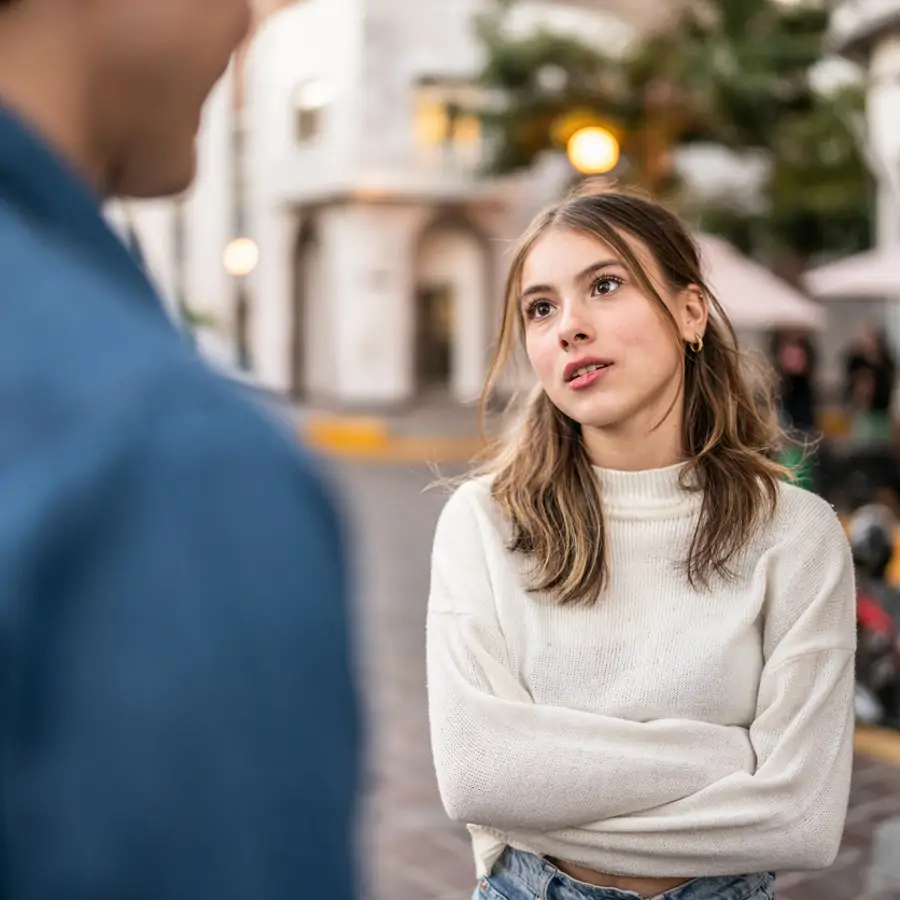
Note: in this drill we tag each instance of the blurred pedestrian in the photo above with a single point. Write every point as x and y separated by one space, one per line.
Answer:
870 372
640 636
794 360
179 719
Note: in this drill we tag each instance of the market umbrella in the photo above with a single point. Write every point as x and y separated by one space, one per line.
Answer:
754 298
873 274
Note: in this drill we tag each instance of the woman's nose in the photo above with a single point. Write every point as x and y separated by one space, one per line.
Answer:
573 329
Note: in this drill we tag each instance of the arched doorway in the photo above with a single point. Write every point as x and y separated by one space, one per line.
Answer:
452 290
307 287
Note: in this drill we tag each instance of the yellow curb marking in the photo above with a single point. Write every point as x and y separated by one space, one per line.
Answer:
369 439
878 743
409 449
343 432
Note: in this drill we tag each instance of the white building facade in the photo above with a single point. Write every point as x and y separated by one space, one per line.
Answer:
382 253
868 32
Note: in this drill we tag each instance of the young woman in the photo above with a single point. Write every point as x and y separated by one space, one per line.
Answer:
640 637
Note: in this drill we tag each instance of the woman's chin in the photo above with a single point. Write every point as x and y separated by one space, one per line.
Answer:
600 417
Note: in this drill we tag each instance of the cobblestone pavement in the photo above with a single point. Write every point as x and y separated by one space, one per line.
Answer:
412 851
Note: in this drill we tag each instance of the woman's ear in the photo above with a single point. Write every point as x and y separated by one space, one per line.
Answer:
694 313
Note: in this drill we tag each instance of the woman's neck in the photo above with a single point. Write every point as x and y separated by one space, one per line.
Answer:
636 448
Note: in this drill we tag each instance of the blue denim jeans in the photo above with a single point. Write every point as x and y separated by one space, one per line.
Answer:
523 876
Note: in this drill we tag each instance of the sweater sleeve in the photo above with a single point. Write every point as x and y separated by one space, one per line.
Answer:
789 813
505 762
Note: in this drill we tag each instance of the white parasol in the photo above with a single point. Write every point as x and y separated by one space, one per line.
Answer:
874 274
754 298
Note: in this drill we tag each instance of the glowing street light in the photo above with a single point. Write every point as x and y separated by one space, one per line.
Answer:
593 150
240 257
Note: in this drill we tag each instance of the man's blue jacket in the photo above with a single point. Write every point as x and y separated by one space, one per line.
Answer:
178 717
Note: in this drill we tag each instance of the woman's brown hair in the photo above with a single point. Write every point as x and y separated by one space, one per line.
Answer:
543 480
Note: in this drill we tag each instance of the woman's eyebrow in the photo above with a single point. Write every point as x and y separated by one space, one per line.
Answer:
592 269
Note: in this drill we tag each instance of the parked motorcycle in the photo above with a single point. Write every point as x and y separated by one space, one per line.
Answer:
871 533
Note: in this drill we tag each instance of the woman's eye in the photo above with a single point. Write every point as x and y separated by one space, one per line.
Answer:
540 309
606 284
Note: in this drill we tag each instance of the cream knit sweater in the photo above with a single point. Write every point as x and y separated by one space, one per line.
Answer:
665 731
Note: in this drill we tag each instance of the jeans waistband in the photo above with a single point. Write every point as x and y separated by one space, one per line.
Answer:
519 875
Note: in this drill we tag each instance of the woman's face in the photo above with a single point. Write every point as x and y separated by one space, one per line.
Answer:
602 350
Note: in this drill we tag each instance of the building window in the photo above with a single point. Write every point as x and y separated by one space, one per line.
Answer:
445 114
310 101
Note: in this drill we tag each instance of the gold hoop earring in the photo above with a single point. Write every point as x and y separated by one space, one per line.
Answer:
697 346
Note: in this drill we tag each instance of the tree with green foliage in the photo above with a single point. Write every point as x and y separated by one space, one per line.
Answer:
734 73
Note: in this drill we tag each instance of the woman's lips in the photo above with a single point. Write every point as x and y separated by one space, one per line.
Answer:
591 375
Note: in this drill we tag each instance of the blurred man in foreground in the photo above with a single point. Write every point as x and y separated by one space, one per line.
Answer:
178 714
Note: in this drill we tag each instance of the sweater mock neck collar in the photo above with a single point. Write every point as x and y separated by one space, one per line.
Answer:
645 491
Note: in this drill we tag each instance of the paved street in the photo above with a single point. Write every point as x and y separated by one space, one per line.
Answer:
412 851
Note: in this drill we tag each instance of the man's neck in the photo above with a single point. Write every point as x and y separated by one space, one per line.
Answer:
49 97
